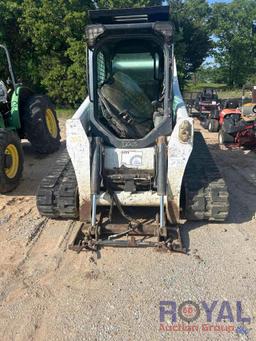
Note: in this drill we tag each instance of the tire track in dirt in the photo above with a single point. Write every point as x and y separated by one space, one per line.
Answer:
32 240
45 252
27 289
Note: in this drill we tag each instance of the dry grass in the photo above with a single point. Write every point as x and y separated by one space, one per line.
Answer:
65 113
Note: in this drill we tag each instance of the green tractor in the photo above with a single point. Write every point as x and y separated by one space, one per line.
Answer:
23 114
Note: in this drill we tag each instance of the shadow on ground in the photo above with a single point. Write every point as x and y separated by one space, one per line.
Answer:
238 168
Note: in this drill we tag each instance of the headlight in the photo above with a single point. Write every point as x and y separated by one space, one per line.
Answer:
185 131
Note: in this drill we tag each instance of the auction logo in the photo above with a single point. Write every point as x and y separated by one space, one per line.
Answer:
189 311
217 316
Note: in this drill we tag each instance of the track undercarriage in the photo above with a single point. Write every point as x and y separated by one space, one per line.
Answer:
205 197
57 198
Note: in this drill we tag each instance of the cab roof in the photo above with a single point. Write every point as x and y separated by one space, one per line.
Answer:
129 15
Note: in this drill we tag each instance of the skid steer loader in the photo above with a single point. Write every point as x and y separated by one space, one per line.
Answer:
134 167
23 114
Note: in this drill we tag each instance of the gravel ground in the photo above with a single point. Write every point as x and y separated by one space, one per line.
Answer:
50 293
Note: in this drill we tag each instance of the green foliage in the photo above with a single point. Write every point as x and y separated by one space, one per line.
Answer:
192 43
191 86
49 53
9 35
127 4
235 47
65 113
56 30
207 73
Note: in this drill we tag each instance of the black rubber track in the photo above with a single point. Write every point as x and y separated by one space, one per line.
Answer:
57 196
206 195
6 138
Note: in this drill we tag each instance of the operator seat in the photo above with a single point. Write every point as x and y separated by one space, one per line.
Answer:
231 104
125 96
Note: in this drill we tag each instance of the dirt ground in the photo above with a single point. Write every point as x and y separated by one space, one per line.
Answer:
50 293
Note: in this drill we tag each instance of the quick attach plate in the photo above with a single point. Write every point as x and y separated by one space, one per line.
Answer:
88 239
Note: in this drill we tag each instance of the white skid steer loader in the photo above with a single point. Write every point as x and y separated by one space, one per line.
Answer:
129 172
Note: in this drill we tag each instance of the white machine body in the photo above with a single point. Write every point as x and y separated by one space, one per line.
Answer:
78 145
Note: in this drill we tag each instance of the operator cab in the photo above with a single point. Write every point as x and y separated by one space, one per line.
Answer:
129 59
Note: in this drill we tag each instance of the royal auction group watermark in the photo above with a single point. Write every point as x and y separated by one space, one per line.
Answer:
215 316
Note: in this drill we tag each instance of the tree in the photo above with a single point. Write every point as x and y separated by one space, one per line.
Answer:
192 42
235 47
46 40
56 31
10 11
126 4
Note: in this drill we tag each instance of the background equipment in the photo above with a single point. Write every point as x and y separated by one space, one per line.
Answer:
23 114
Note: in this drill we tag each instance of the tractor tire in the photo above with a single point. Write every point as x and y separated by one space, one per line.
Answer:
11 160
213 125
40 124
225 138
204 121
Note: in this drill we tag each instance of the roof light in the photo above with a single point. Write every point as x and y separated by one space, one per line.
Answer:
93 32
165 28
130 18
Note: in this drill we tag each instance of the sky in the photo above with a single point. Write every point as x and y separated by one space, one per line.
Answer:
213 1
210 1
208 59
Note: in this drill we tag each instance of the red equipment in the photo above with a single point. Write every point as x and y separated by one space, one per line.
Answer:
229 113
236 128
247 136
